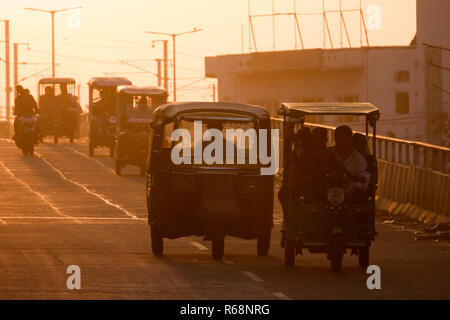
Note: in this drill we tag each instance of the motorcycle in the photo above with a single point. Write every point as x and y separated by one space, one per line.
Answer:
27 134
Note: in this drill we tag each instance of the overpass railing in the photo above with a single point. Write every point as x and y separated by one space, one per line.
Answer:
414 177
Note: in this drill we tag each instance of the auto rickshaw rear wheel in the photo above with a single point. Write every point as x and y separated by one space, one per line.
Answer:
289 253
363 257
263 243
55 139
118 167
71 138
111 151
91 149
157 241
218 241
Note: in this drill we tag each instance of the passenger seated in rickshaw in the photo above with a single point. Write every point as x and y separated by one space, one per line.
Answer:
302 143
353 162
361 145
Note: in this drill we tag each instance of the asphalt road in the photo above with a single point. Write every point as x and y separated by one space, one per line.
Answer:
61 208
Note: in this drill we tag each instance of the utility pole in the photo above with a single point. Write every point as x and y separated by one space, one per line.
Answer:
174 35
16 64
214 92
52 13
166 62
158 61
7 72
166 65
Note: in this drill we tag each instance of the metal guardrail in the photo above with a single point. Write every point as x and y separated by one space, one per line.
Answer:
398 151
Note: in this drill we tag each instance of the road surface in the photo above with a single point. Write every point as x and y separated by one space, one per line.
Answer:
61 208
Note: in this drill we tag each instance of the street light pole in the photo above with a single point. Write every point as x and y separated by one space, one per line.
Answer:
16 63
53 43
174 35
52 13
7 72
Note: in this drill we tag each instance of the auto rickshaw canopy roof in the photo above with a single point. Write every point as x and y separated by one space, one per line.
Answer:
57 81
169 112
108 81
299 110
141 90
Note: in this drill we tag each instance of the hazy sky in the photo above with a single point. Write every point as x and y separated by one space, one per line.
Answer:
110 30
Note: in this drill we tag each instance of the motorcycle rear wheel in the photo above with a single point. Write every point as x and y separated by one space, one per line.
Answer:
157 241
263 243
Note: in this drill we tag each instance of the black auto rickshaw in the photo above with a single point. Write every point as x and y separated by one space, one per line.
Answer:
198 196
103 127
334 224
59 108
135 106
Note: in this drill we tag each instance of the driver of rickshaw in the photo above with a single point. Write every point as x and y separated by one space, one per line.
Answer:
47 103
141 110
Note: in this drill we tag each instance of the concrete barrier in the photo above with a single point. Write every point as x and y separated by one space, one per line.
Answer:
419 193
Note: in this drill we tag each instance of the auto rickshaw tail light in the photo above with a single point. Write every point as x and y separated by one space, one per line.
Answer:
251 185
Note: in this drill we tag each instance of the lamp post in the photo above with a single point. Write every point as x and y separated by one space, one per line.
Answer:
174 35
16 63
52 13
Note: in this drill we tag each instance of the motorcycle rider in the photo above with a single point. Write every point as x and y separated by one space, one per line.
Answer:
24 105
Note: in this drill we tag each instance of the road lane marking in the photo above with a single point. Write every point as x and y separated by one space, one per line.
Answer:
100 163
252 276
99 196
281 296
40 195
95 160
199 246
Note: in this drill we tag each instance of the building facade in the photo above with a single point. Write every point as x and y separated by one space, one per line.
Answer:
407 83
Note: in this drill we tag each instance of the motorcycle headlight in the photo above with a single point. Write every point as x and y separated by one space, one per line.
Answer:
112 120
336 196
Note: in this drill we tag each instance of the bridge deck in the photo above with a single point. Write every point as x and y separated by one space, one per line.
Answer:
61 208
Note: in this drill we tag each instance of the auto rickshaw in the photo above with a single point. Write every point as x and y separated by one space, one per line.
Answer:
59 108
135 106
198 196
335 224
103 127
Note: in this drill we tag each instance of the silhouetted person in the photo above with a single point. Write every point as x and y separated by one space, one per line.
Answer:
142 110
47 103
361 145
353 162
24 105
